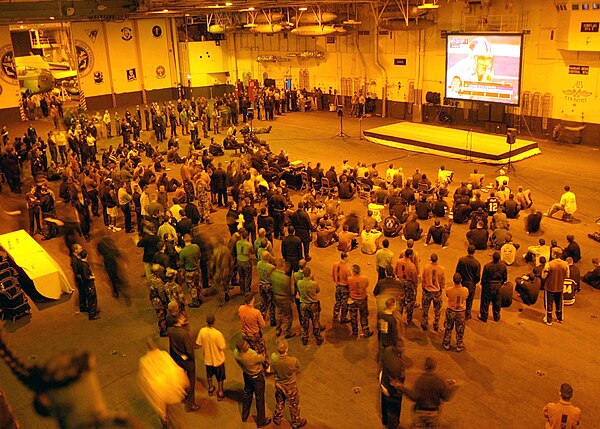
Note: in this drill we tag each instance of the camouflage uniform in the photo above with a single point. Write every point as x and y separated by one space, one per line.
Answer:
268 303
456 319
220 267
359 306
192 279
341 302
410 298
428 297
311 312
159 300
175 293
257 343
203 200
283 307
287 392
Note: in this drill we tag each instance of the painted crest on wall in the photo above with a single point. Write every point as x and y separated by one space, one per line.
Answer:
157 31
8 71
131 75
92 34
161 73
98 77
577 94
126 33
85 58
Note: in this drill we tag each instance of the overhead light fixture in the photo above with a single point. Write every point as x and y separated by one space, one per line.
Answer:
252 25
165 10
251 8
228 4
427 4
52 18
302 9
21 27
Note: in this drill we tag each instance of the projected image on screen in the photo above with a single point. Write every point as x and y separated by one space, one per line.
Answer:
484 67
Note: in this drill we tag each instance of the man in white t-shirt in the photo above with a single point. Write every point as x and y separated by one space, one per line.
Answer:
213 346
369 241
567 204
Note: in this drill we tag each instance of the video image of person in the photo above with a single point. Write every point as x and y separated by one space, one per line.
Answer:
485 68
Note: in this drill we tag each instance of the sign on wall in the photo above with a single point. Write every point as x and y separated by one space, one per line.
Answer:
590 27
157 31
8 71
126 33
85 58
399 61
579 70
131 75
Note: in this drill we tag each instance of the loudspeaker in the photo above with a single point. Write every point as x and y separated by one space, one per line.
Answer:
340 111
511 136
433 97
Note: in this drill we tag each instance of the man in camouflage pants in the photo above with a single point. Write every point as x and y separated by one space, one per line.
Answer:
340 272
456 313
406 272
286 388
433 282
265 268
310 307
189 260
158 297
252 323
221 263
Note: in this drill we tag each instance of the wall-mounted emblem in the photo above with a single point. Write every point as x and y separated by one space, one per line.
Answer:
157 31
92 34
131 75
8 71
126 34
98 77
85 58
161 73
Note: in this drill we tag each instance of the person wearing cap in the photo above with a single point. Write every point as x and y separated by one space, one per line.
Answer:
158 297
592 277
562 414
339 273
455 313
310 306
428 393
358 301
432 281
213 344
406 271
494 276
286 387
189 260
252 364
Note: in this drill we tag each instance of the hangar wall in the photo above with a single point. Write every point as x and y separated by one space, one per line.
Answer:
10 92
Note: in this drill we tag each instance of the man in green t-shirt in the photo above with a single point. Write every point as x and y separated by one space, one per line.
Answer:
243 251
310 306
189 260
265 268
281 284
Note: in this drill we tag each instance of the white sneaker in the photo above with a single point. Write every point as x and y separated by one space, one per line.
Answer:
546 321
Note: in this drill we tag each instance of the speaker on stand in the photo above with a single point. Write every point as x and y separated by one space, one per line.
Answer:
511 138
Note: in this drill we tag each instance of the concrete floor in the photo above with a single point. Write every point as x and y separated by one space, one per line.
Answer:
498 373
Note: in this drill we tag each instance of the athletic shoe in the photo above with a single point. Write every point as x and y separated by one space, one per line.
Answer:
547 322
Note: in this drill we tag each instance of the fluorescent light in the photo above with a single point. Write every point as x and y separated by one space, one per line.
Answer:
52 18
165 10
427 5
302 9
251 8
228 4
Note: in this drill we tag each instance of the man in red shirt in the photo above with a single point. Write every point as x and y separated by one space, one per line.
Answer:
407 273
339 273
357 288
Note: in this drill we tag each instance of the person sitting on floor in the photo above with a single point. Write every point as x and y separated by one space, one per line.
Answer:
439 234
592 277
412 229
478 237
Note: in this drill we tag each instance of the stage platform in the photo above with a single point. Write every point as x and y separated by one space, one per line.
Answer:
451 142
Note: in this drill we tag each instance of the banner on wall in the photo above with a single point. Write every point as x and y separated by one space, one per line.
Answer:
9 84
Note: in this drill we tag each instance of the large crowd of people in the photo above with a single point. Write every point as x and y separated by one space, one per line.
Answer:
167 196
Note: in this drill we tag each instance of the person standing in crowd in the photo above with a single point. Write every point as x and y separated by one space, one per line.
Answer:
291 248
286 387
125 204
469 269
265 268
392 372
189 260
406 271
252 323
339 273
494 276
303 227
243 252
310 306
428 393
357 301
455 313
383 258
252 364
281 285
433 282
158 297
88 281
562 414
181 349
213 344
555 273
